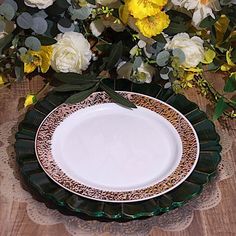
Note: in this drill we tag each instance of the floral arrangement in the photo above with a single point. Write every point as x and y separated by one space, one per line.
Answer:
81 42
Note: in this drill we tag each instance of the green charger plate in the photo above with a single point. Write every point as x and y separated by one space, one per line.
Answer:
54 196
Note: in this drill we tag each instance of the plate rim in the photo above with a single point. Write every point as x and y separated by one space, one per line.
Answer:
125 200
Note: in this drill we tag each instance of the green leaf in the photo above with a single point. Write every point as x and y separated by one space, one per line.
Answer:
104 47
93 2
62 3
79 97
5 41
19 71
71 87
179 22
46 41
221 106
77 79
115 55
208 22
117 97
230 85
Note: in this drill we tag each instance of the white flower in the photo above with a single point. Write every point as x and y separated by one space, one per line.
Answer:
41 4
192 48
71 53
143 74
202 8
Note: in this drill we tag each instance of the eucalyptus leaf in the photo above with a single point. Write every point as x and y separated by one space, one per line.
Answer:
81 14
41 13
33 43
72 87
22 50
65 29
115 55
2 25
39 25
76 79
79 97
177 52
116 97
167 85
25 20
137 63
164 73
12 3
162 58
7 11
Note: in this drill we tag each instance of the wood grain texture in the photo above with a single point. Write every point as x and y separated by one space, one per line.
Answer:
218 221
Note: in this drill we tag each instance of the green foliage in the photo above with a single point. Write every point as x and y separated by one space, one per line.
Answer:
79 97
116 96
221 106
76 79
115 55
230 85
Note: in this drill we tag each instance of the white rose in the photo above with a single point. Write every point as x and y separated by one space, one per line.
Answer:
192 48
41 4
71 53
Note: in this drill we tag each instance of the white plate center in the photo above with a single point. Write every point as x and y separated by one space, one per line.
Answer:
113 148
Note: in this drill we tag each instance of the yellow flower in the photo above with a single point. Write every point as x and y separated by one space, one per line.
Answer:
227 66
124 13
195 70
153 25
1 79
29 100
221 27
41 59
209 56
186 81
143 8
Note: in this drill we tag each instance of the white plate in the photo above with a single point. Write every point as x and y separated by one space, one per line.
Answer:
103 151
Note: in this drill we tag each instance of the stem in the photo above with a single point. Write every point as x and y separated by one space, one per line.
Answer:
45 87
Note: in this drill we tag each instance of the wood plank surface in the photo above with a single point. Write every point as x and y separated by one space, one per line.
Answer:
218 221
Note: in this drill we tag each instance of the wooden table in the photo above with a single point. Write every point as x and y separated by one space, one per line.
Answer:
220 220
